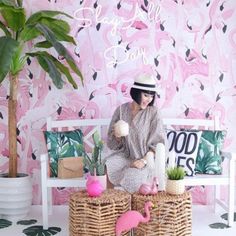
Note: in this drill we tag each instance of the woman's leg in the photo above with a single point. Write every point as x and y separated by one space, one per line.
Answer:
115 167
160 166
109 184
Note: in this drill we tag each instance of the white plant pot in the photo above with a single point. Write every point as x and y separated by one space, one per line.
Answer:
175 186
15 197
103 180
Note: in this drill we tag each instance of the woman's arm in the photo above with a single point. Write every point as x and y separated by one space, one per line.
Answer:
147 160
114 142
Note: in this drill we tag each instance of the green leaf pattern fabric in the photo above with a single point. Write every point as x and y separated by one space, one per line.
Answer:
209 160
63 144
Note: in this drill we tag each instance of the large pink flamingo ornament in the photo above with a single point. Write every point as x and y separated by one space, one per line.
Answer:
131 219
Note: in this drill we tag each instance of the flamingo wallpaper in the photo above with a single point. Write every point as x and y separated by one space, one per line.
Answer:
189 46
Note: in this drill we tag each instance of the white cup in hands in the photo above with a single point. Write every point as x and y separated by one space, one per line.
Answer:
121 128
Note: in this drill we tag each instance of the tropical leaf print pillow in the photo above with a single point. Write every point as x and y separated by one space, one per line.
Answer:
209 160
63 144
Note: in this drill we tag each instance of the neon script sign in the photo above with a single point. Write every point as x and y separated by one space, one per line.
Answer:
86 15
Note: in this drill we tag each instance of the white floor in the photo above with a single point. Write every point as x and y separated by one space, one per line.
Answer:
202 217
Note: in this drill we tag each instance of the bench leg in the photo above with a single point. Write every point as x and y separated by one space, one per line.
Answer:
44 189
216 196
50 201
45 206
231 194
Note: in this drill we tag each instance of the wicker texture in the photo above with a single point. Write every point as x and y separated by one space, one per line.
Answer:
172 215
175 186
97 216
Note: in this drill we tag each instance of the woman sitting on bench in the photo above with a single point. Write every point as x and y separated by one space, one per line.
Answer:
131 159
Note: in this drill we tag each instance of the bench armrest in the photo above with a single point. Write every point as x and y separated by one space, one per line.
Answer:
43 157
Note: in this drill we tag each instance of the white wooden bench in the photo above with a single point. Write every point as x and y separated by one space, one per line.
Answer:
97 124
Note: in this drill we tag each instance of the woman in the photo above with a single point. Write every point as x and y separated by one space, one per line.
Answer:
127 165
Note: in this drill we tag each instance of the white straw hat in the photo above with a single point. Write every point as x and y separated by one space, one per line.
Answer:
145 82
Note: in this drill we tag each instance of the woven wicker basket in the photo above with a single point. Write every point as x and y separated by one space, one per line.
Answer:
97 216
172 215
175 186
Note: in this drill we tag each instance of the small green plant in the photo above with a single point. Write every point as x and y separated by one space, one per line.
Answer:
94 162
175 173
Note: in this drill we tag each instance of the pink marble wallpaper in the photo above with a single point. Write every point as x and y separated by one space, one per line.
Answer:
189 46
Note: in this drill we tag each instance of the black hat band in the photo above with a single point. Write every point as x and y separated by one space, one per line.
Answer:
145 85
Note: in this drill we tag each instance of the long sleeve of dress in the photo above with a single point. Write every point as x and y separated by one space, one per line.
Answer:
112 142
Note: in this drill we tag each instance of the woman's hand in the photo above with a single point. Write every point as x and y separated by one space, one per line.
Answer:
139 164
117 137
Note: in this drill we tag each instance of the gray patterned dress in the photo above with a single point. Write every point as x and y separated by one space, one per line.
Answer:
145 131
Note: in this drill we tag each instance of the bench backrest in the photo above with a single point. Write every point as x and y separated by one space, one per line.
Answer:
88 126
92 125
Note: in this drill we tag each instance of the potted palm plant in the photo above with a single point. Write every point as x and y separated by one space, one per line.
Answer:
18 31
175 180
94 162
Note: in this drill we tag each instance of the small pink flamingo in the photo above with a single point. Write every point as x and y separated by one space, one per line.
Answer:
146 189
154 188
131 219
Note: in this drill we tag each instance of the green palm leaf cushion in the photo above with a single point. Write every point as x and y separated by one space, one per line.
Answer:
63 144
209 160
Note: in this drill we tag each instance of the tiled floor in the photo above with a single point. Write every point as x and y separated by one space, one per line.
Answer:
202 217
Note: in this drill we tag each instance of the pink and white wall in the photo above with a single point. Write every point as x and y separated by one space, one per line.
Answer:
188 45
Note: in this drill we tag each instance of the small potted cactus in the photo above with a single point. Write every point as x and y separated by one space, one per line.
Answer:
175 180
94 162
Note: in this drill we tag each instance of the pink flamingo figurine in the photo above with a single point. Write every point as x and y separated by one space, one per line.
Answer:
154 188
131 219
146 189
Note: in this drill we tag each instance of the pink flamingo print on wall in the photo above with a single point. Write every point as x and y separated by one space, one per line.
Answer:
131 219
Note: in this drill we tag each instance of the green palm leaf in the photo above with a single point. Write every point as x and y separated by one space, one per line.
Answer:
209 159
60 28
62 68
4 29
67 151
14 16
8 47
79 148
48 65
61 50
18 61
28 33
11 3
35 18
43 44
